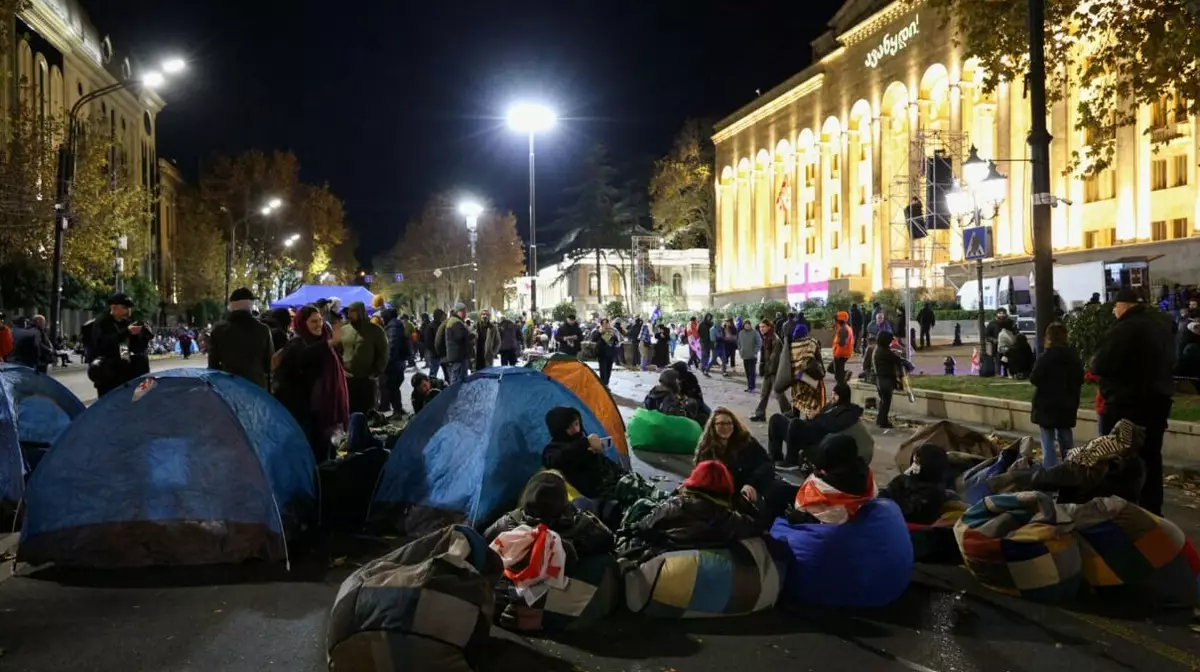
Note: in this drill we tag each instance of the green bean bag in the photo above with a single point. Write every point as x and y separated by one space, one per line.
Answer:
655 432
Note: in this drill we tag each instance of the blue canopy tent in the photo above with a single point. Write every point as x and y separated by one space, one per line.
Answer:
308 294
34 410
468 454
185 467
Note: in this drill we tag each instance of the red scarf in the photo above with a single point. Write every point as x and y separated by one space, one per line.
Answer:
830 505
330 400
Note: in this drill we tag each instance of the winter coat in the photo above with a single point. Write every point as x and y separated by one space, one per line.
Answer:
364 346
748 464
570 338
692 519
399 347
874 328
592 474
768 361
889 365
668 402
487 344
843 342
1057 378
436 385
107 334
1188 334
705 332
243 346
25 350
926 318
607 343
546 502
1134 363
689 384
856 319
749 342
510 336
456 339
6 341
922 491
430 330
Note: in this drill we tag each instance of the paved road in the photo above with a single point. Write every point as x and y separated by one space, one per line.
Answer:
192 620
74 377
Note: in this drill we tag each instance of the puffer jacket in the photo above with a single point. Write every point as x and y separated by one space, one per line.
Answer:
592 474
545 501
692 519
748 342
510 335
669 402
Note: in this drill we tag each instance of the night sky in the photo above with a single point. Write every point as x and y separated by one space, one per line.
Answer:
392 101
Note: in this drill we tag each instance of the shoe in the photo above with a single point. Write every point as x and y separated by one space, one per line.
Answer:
885 425
758 417
786 466
752 390
705 373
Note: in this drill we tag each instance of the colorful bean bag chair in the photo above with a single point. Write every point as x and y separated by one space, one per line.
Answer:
935 543
425 606
975 481
1126 548
656 432
1022 544
592 593
866 562
703 583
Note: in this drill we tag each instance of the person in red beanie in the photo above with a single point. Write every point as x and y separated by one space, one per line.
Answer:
698 515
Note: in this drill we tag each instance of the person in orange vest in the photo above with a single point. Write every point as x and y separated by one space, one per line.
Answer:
843 345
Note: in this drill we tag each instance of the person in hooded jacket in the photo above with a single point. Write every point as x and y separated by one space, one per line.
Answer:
569 337
858 323
455 343
310 382
240 344
608 345
487 341
433 360
841 483
699 515
579 457
689 386
1057 378
706 344
364 356
6 339
399 353
545 501
667 397
510 342
924 489
889 369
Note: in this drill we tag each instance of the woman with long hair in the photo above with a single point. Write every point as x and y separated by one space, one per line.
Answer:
311 383
727 440
1057 379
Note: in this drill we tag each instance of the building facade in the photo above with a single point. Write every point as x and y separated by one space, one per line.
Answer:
671 279
164 230
61 57
817 171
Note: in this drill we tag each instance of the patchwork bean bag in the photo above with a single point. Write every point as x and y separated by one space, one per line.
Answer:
703 583
425 606
592 593
935 543
656 432
866 562
975 481
1126 548
1022 544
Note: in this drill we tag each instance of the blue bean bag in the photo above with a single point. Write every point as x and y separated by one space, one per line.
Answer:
866 562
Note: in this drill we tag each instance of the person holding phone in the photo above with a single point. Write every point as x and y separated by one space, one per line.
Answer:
109 368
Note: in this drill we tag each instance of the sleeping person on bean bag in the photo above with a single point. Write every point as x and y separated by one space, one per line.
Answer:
758 491
923 491
698 516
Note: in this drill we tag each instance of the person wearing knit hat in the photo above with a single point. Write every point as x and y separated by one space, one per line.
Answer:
698 515
843 345
838 487
802 372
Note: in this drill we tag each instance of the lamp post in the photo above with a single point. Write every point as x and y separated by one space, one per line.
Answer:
531 118
266 210
1039 155
985 188
66 172
471 210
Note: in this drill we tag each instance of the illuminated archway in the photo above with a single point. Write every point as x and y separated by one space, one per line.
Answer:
781 241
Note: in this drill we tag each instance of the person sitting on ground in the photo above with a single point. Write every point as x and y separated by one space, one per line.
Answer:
924 489
689 386
425 389
667 397
545 501
698 515
798 435
727 440
841 483
579 457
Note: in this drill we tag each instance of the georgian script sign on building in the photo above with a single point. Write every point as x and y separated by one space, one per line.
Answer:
894 43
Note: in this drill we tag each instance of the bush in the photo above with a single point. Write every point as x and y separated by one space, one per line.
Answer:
890 299
614 309
562 311
1087 326
843 300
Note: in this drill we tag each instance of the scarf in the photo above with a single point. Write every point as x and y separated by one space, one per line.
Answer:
1124 440
828 504
330 400
806 399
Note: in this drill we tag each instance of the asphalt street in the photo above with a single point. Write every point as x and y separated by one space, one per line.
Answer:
260 618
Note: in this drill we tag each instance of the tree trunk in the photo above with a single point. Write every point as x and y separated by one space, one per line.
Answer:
599 286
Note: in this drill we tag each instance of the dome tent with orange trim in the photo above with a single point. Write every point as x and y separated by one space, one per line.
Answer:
583 381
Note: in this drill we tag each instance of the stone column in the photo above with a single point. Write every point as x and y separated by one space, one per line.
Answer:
876 236
849 204
956 105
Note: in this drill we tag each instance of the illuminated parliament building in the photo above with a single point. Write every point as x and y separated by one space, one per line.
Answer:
815 175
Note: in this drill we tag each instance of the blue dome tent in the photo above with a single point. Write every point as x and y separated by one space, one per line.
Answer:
184 467
34 410
468 454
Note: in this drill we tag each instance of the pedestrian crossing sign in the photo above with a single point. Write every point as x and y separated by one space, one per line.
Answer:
977 243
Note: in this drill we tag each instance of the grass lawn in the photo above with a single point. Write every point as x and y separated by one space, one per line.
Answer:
1186 407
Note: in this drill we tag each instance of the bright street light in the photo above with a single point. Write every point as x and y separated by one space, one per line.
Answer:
274 203
153 79
531 118
266 210
975 169
172 66
471 210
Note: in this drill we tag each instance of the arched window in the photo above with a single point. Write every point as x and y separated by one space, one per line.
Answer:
677 284
614 282
593 284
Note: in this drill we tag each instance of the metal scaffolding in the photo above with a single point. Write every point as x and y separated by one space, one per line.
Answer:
643 269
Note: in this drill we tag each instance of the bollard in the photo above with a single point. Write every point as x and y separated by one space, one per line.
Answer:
957 334
949 364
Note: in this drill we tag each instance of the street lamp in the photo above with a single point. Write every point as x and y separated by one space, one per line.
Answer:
266 210
66 171
471 210
531 118
985 188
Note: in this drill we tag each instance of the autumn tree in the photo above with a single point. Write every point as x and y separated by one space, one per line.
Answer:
600 221
1119 54
682 196
199 255
28 177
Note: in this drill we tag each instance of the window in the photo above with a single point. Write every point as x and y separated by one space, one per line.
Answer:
1158 230
862 234
1089 240
862 195
1179 228
835 166
593 284
862 270
677 284
810 174
834 240
1158 174
835 273
810 245
810 212
835 207
787 250
863 151
1112 236
1091 189
1158 112
1181 170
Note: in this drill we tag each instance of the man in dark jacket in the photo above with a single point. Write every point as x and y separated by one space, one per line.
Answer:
706 344
399 353
858 323
510 342
433 358
455 343
569 337
424 390
772 349
487 342
24 344
364 356
926 320
104 337
1134 364
240 344
578 457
